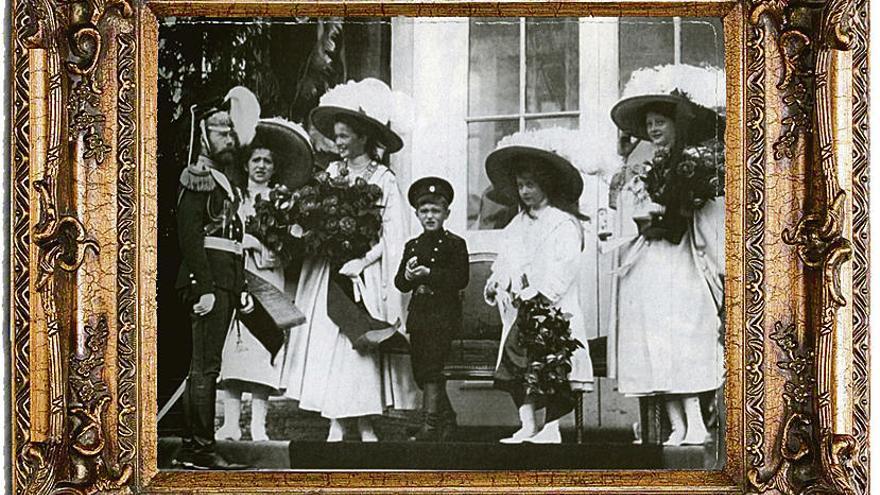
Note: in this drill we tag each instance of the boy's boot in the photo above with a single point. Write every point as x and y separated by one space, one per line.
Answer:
432 428
411 430
447 414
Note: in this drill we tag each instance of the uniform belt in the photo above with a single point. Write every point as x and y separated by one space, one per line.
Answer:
424 290
222 244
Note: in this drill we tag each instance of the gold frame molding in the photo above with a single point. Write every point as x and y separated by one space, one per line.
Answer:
83 257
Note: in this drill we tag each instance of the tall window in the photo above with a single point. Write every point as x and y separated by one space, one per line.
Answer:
652 41
523 74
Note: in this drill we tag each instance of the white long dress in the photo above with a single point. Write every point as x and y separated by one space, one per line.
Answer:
245 360
544 247
326 374
624 230
666 314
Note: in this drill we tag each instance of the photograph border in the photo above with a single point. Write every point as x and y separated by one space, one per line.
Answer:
84 236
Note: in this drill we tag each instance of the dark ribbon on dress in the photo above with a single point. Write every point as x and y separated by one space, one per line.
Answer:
356 323
670 226
272 316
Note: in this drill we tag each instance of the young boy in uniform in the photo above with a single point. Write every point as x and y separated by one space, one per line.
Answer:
435 268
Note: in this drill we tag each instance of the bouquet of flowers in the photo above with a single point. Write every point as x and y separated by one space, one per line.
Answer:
545 334
271 223
339 220
687 181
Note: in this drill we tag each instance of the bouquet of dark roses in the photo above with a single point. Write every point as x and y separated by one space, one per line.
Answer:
340 220
681 184
688 180
545 334
271 223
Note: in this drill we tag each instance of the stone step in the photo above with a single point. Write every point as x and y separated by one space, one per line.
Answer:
271 455
482 452
471 456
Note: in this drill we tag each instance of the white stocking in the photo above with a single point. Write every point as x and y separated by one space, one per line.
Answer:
696 427
365 427
676 418
336 431
231 415
259 407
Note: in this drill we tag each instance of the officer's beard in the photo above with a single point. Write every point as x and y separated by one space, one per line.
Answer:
223 160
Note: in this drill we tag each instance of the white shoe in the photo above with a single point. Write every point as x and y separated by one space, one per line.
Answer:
675 439
519 437
365 428
259 435
696 437
228 432
336 431
549 434
637 434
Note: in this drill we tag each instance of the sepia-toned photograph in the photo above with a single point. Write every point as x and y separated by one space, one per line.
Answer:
421 243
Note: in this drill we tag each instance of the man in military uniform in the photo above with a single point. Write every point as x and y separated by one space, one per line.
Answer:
211 276
435 268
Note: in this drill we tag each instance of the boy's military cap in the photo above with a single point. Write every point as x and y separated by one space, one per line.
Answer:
430 186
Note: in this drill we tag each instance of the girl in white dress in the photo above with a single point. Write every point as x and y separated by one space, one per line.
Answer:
328 374
669 283
279 153
539 247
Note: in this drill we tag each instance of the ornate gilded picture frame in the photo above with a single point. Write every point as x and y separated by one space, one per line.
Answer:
84 261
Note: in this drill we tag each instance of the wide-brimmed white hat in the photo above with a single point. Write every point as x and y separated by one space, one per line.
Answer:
371 103
543 147
696 96
291 150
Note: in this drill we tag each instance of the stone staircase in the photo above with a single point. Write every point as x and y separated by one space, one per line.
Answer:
297 442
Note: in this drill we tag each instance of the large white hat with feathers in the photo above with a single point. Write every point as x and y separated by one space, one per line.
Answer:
571 144
704 85
697 95
380 111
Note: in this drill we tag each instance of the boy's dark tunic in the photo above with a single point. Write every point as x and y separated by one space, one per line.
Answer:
435 308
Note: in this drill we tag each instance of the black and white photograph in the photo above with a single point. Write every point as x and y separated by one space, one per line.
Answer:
419 243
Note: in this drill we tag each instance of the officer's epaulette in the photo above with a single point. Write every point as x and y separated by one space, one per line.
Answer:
197 178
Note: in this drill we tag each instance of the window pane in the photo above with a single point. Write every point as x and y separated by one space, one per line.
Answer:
483 213
551 65
546 123
644 42
702 41
493 86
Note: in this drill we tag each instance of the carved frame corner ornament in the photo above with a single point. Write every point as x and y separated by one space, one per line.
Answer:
80 348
